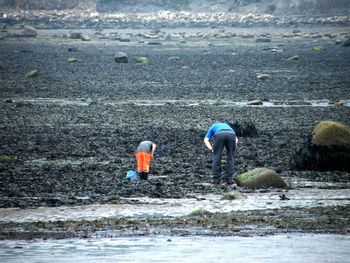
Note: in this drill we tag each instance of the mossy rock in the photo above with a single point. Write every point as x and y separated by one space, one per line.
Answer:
328 133
260 178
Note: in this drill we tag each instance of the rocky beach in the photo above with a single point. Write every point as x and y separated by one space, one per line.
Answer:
73 114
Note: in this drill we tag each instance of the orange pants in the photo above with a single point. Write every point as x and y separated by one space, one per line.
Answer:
143 160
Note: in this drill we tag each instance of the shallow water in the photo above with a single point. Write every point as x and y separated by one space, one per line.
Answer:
277 248
154 207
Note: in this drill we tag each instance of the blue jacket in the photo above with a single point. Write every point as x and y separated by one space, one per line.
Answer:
217 127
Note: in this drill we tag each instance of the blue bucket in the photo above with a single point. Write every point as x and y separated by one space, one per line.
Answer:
132 175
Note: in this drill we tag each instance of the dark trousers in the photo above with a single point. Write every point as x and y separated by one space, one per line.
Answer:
227 140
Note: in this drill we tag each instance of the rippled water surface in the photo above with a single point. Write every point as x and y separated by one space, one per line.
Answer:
278 248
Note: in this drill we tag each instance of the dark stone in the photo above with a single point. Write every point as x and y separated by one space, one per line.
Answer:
121 57
346 43
244 128
154 43
73 49
321 158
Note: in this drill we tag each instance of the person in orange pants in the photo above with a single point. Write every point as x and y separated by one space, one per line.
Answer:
144 155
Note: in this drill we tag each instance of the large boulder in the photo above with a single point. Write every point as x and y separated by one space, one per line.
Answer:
261 178
326 149
329 133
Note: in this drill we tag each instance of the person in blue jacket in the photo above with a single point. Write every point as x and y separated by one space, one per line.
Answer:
224 137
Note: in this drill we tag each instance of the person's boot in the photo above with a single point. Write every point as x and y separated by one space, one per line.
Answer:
143 176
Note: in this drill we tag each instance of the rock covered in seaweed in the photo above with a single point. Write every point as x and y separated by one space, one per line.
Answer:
244 128
327 148
261 178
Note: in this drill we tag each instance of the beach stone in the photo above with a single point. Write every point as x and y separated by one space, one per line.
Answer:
263 76
29 31
260 178
174 58
338 42
346 43
123 39
84 37
255 102
121 57
296 57
32 73
75 35
339 104
73 49
154 43
263 40
327 148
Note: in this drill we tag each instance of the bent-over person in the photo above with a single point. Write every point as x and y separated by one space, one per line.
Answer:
224 137
144 155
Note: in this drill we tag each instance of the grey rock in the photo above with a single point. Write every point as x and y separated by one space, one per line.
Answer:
29 31
84 37
154 43
263 40
255 102
263 76
121 57
75 35
346 43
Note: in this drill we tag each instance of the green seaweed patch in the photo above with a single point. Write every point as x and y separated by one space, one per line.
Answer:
318 48
249 175
8 158
200 212
142 60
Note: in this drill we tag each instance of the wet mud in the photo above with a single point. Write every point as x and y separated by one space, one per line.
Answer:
68 135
